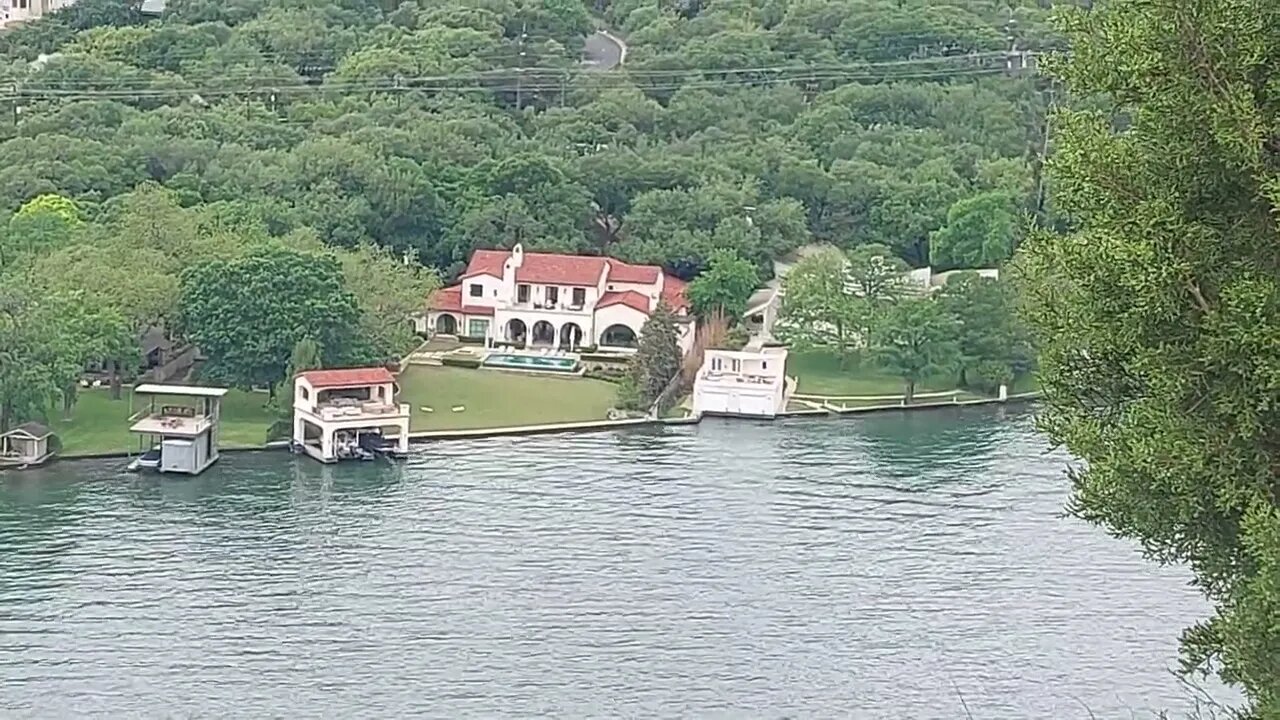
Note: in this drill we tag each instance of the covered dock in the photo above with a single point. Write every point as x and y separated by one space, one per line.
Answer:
178 428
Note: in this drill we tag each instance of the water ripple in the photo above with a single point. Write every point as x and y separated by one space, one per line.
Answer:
871 568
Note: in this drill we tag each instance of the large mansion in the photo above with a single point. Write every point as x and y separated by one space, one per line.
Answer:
557 301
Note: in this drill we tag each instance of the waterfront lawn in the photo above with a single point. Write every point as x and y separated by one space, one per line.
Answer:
493 398
99 424
818 372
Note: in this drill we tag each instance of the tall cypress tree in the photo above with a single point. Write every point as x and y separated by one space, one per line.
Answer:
658 358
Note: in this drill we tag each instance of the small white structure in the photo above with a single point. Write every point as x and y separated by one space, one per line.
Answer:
179 437
741 383
345 414
27 445
550 300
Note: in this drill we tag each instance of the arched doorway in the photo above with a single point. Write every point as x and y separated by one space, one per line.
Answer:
618 336
570 336
447 325
544 333
517 331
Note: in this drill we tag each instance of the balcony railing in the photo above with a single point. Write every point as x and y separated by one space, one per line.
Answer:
742 378
360 409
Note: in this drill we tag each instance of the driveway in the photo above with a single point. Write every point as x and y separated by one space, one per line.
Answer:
603 51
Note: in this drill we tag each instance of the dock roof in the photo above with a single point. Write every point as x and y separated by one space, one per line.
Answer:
185 390
347 377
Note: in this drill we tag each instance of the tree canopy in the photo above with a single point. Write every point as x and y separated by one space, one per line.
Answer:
1157 314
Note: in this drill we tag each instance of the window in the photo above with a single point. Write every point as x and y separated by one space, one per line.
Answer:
764 365
305 395
553 294
522 293
477 328
737 366
715 364
477 290
579 296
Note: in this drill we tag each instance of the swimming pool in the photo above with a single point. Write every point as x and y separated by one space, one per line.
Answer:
531 362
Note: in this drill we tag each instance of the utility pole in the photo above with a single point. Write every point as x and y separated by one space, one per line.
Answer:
520 66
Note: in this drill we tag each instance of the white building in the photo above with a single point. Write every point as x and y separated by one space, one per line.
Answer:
341 414
556 301
742 383
21 11
177 436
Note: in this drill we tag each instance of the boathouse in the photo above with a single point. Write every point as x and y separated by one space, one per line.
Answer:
27 445
178 428
349 413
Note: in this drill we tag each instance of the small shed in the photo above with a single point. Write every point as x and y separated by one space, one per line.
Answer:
28 444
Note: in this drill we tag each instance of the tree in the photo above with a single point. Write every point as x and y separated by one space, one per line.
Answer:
992 341
979 233
725 286
818 307
915 339
42 224
305 356
1157 316
876 274
388 292
39 355
248 313
656 361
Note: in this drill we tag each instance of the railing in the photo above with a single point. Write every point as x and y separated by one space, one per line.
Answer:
366 409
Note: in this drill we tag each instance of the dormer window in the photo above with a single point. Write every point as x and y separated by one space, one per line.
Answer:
476 290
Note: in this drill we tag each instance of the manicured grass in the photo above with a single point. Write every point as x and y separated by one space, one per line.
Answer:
493 398
99 424
819 373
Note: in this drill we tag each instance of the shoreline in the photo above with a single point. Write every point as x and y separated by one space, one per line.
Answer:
423 437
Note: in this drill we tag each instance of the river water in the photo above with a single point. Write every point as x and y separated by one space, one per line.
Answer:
899 566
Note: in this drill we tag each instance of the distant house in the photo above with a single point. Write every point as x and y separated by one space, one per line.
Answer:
555 300
926 280
16 12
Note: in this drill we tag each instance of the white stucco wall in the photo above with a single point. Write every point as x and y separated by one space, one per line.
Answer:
714 398
491 290
618 315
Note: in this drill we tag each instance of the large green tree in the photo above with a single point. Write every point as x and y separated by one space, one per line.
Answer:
247 314
819 308
992 340
1158 315
725 286
914 339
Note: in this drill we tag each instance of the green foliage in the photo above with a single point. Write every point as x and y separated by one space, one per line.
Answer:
819 308
994 345
914 339
45 223
306 355
656 362
1157 315
725 286
875 274
980 233
462 362
248 313
388 292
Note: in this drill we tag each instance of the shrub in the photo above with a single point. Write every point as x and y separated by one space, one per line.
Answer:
462 362
605 359
469 340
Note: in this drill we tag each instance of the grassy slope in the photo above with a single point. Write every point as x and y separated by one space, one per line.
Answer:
819 373
100 424
499 399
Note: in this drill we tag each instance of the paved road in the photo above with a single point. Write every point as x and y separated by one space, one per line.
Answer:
603 51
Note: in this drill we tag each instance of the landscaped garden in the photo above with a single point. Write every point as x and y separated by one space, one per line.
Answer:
491 398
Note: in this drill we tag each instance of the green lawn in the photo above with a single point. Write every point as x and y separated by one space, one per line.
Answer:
101 425
493 398
819 373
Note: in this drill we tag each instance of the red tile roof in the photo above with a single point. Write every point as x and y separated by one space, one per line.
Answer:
349 377
630 298
486 262
580 270
450 300
673 293
626 273
559 269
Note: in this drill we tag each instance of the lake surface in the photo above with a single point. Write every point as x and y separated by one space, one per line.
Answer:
899 566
